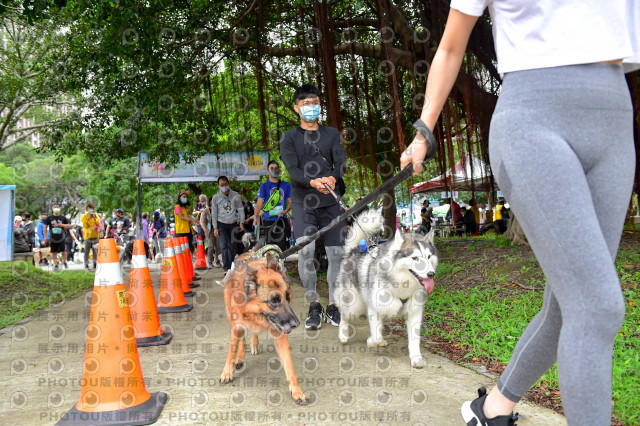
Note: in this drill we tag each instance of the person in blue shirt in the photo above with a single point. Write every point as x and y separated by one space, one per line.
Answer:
273 204
41 238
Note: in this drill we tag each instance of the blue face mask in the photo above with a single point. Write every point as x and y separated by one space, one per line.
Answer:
184 200
310 112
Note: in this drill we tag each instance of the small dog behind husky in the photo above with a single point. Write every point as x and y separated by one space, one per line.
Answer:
257 298
389 280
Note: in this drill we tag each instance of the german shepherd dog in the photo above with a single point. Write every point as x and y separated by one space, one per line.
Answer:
257 296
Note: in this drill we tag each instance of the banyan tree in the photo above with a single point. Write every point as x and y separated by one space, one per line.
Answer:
219 75
371 60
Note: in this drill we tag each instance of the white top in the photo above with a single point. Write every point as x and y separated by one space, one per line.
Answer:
532 34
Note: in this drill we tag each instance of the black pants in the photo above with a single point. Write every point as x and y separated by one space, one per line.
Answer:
277 232
424 227
128 251
68 244
225 230
236 238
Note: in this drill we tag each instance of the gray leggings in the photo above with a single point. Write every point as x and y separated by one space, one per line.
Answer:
307 269
561 149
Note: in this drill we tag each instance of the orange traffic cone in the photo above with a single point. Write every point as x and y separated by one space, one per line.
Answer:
142 301
188 263
170 297
112 387
182 268
201 261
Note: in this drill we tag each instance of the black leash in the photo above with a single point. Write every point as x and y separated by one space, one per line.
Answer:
391 183
432 149
344 207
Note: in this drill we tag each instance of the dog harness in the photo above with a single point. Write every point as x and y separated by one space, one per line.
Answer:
263 251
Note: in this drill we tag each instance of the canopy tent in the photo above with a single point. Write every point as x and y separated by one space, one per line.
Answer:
469 172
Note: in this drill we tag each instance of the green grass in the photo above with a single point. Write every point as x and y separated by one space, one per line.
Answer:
25 289
492 323
626 361
489 324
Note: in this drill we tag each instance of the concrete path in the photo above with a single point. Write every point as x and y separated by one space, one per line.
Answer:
41 365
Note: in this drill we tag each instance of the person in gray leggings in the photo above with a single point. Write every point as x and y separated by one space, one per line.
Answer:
574 167
561 138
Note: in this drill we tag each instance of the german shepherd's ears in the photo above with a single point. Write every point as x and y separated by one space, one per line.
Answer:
250 284
272 262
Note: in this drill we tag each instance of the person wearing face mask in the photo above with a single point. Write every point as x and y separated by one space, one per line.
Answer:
91 231
111 225
59 226
29 230
273 204
213 242
314 157
182 218
227 213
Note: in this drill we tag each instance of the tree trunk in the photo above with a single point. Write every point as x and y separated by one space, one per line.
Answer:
514 232
389 210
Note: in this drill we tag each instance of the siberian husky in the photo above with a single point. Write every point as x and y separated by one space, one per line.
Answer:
381 282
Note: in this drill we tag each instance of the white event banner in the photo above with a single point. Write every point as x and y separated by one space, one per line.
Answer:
244 166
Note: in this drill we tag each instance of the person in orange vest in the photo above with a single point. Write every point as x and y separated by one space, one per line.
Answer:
182 218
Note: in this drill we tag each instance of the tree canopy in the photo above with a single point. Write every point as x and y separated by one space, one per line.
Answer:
211 76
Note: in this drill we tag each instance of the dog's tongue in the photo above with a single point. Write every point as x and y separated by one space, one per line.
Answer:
427 283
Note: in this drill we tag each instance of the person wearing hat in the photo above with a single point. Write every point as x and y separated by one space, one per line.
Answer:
182 218
17 221
119 224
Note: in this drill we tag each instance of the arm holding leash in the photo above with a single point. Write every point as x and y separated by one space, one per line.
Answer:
387 185
432 145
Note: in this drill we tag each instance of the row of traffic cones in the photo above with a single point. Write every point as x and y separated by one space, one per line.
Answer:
122 333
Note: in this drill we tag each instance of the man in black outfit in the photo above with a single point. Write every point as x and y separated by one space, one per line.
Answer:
469 220
425 215
314 156
58 225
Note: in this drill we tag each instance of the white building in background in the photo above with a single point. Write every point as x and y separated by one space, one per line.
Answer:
35 139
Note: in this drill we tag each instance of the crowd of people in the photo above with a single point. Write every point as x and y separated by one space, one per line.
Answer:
468 220
221 221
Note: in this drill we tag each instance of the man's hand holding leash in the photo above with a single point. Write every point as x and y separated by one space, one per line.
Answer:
319 183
